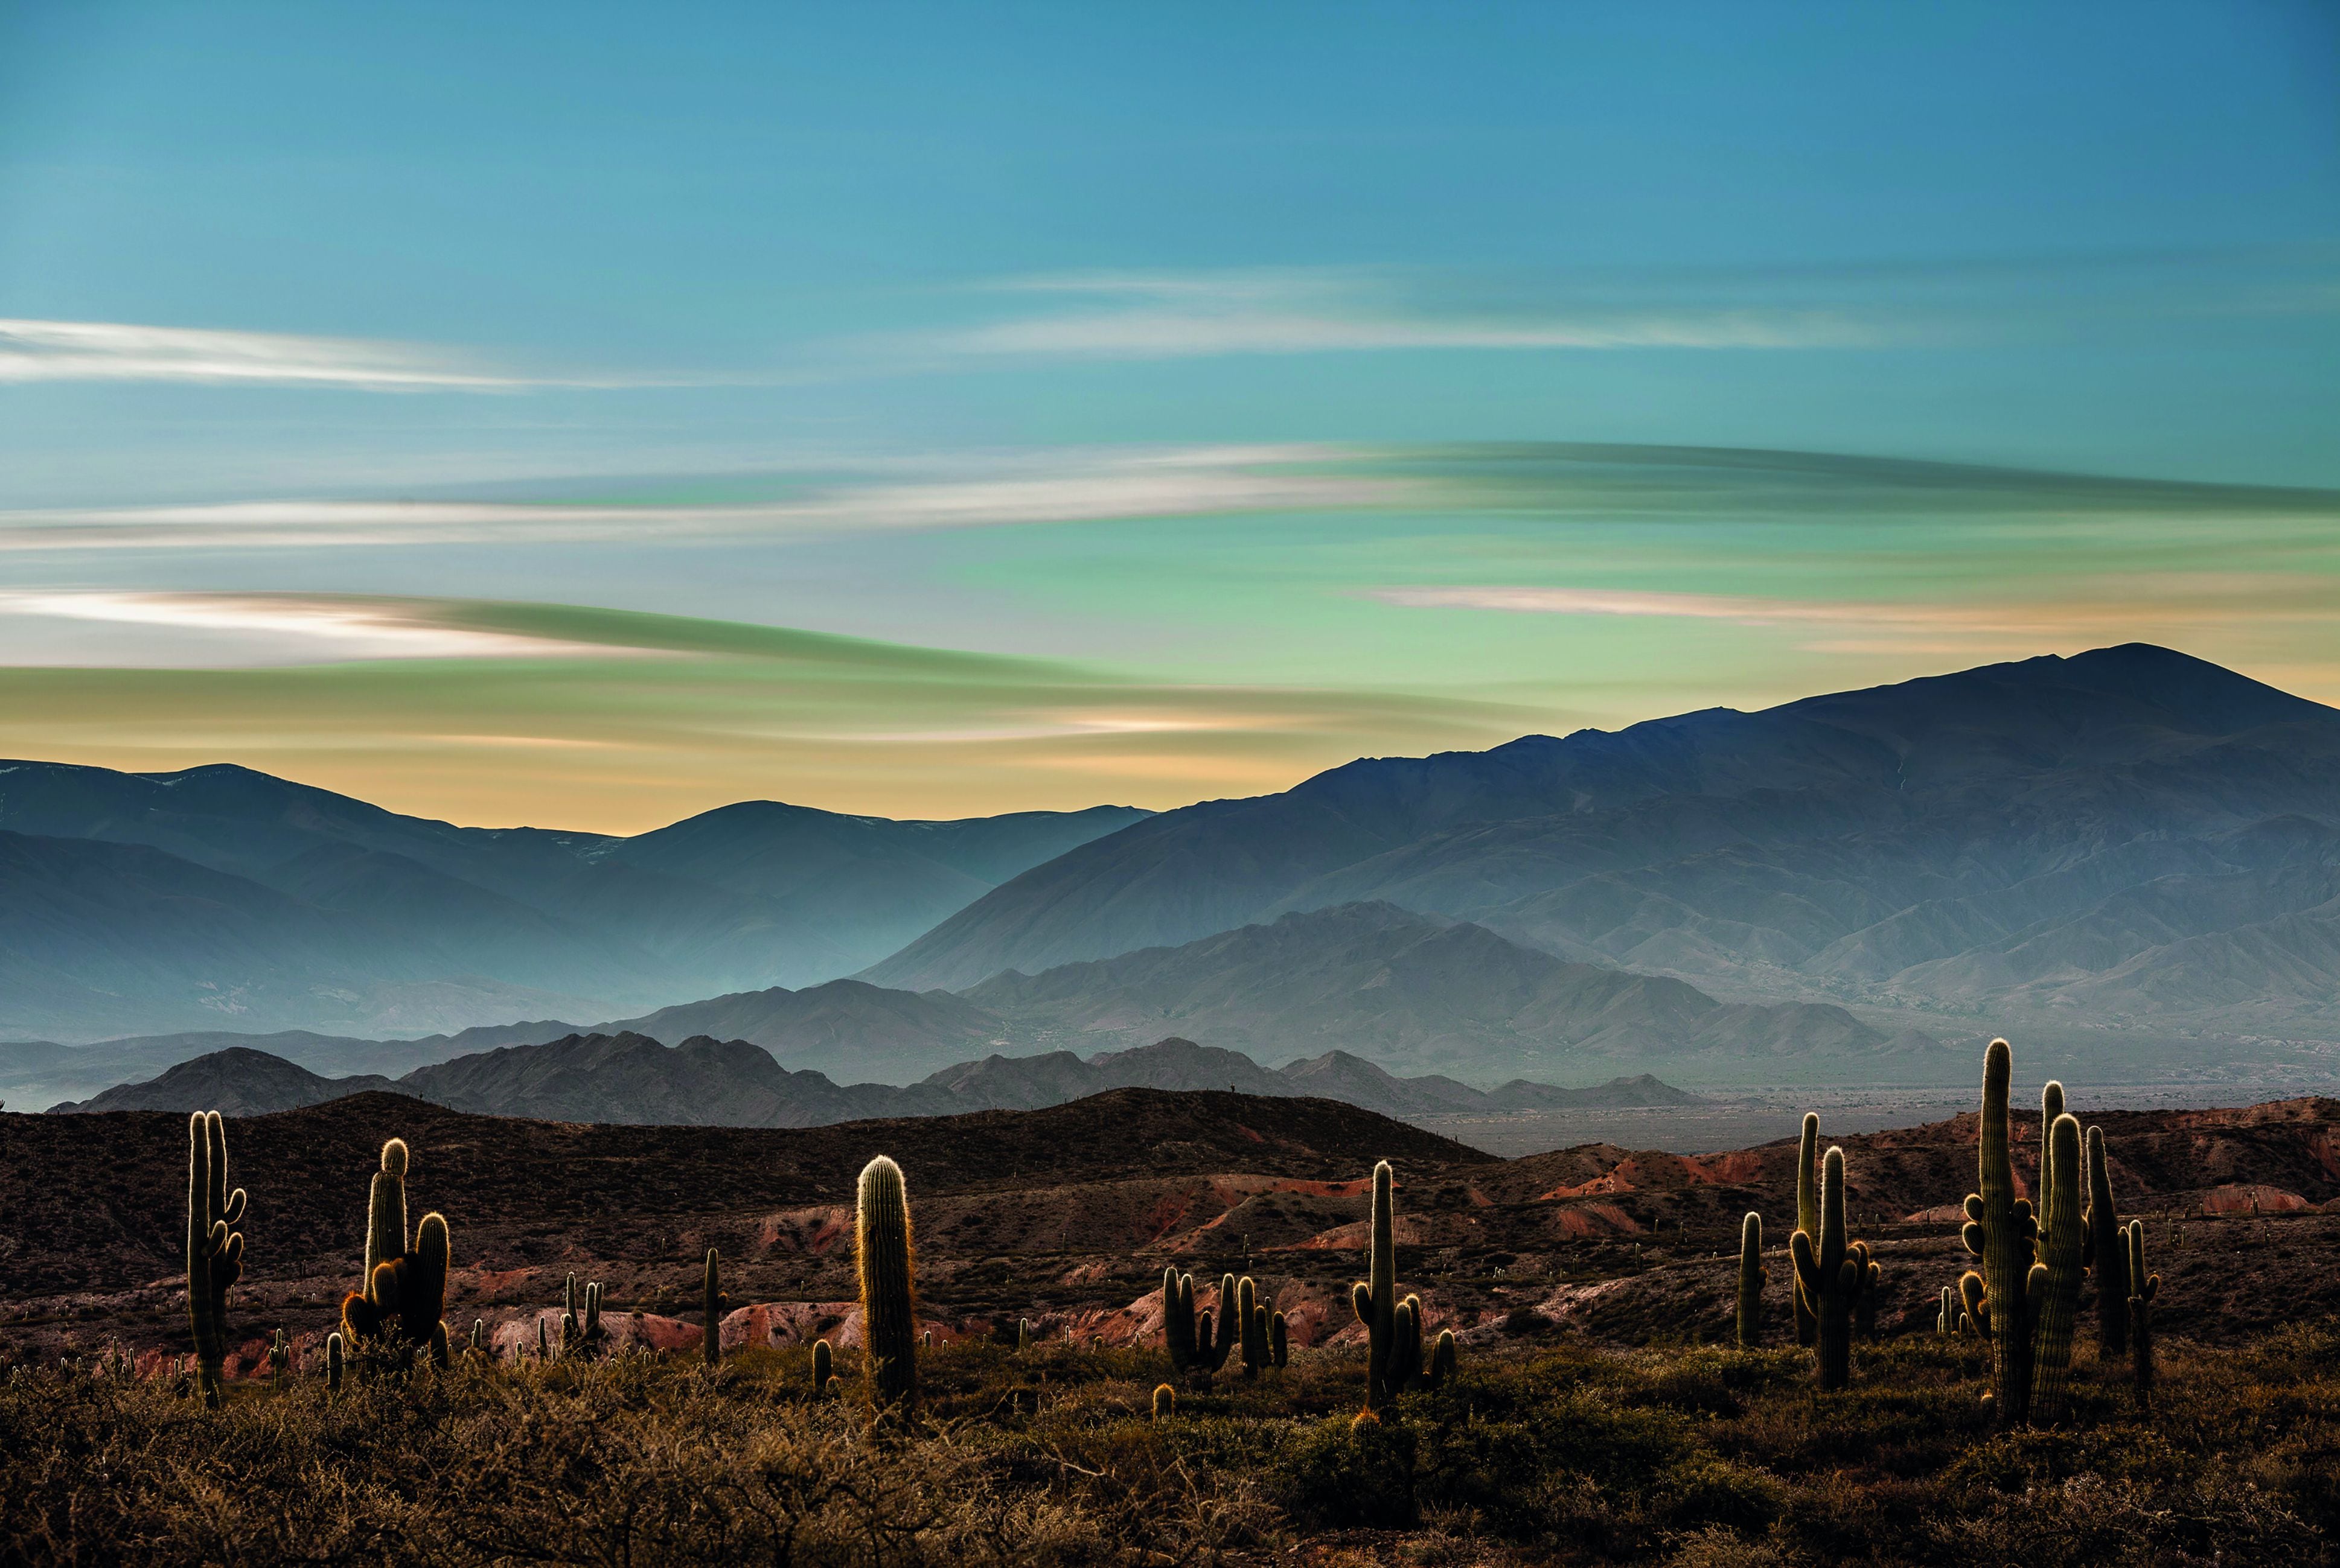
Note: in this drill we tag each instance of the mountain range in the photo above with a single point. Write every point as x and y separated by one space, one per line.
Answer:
2131 834
630 1078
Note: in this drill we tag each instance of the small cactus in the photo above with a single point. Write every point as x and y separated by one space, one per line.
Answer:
2002 1231
1279 1344
478 1343
712 1304
1178 1318
1752 1276
886 1262
1808 1218
333 1353
2143 1286
1166 1401
279 1361
1833 1270
1022 1334
215 1248
927 1340
543 1342
2052 1291
824 1368
1951 1319
2108 1251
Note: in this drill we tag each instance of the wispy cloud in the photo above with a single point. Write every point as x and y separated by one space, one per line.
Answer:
1059 487
119 351
1151 316
93 629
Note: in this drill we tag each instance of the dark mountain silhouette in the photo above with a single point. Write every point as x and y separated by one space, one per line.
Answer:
161 901
2126 832
703 1082
1414 989
845 1026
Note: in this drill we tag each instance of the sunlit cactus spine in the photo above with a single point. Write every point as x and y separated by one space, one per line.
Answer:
2053 1290
334 1353
1752 1276
712 1304
2001 1230
386 1215
1808 1218
2107 1255
1833 1270
1166 1401
824 1368
2143 1286
1279 1342
215 1248
889 1309
279 1361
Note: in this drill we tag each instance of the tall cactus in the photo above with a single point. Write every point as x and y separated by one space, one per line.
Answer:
215 1248
2108 1256
1256 1353
2143 1286
712 1304
1218 1339
1279 1340
2053 1289
334 1353
1808 1218
2001 1230
386 1214
1752 1276
889 1309
824 1368
1392 1328
1833 1270
1178 1319
1951 1319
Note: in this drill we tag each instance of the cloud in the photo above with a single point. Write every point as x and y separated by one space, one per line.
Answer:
118 351
130 630
1061 486
1155 316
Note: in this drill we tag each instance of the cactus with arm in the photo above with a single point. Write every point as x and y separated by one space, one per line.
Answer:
2054 1285
1256 1354
2001 1231
1833 1270
386 1214
2143 1286
1178 1319
2108 1251
1808 1218
1752 1276
214 1246
885 1259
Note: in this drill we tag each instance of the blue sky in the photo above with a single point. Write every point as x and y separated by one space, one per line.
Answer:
663 274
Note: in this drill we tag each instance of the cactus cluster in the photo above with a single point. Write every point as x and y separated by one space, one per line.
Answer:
1752 1276
886 1262
215 1248
2052 1291
1197 1341
1832 1272
712 1304
1393 1327
581 1333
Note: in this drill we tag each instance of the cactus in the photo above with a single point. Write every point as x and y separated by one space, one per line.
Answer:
1165 1401
334 1353
478 1343
279 1361
1752 1276
1228 1333
1178 1318
214 1246
2052 1292
1951 1319
2108 1251
824 1364
1279 1344
1253 1315
889 1309
2142 1288
1833 1270
593 1313
712 1304
386 1214
1808 1218
2000 1229
927 1340
544 1343
1375 1300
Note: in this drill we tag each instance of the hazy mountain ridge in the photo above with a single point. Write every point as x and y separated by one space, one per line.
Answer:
633 1079
2006 836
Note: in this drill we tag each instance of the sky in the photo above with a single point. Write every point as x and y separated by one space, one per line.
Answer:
585 416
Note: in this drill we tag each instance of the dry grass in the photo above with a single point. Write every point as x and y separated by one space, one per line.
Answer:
1570 1455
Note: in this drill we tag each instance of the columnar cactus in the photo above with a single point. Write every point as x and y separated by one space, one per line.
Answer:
2143 1288
712 1304
2108 1256
593 1313
386 1214
478 1343
1216 1338
1256 1353
2001 1230
279 1361
1752 1276
1022 1334
1393 1327
1178 1319
889 1310
824 1368
2053 1289
572 1326
1833 1270
1808 1218
544 1343
1952 1317
1166 1401
1279 1342
334 1353
214 1246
